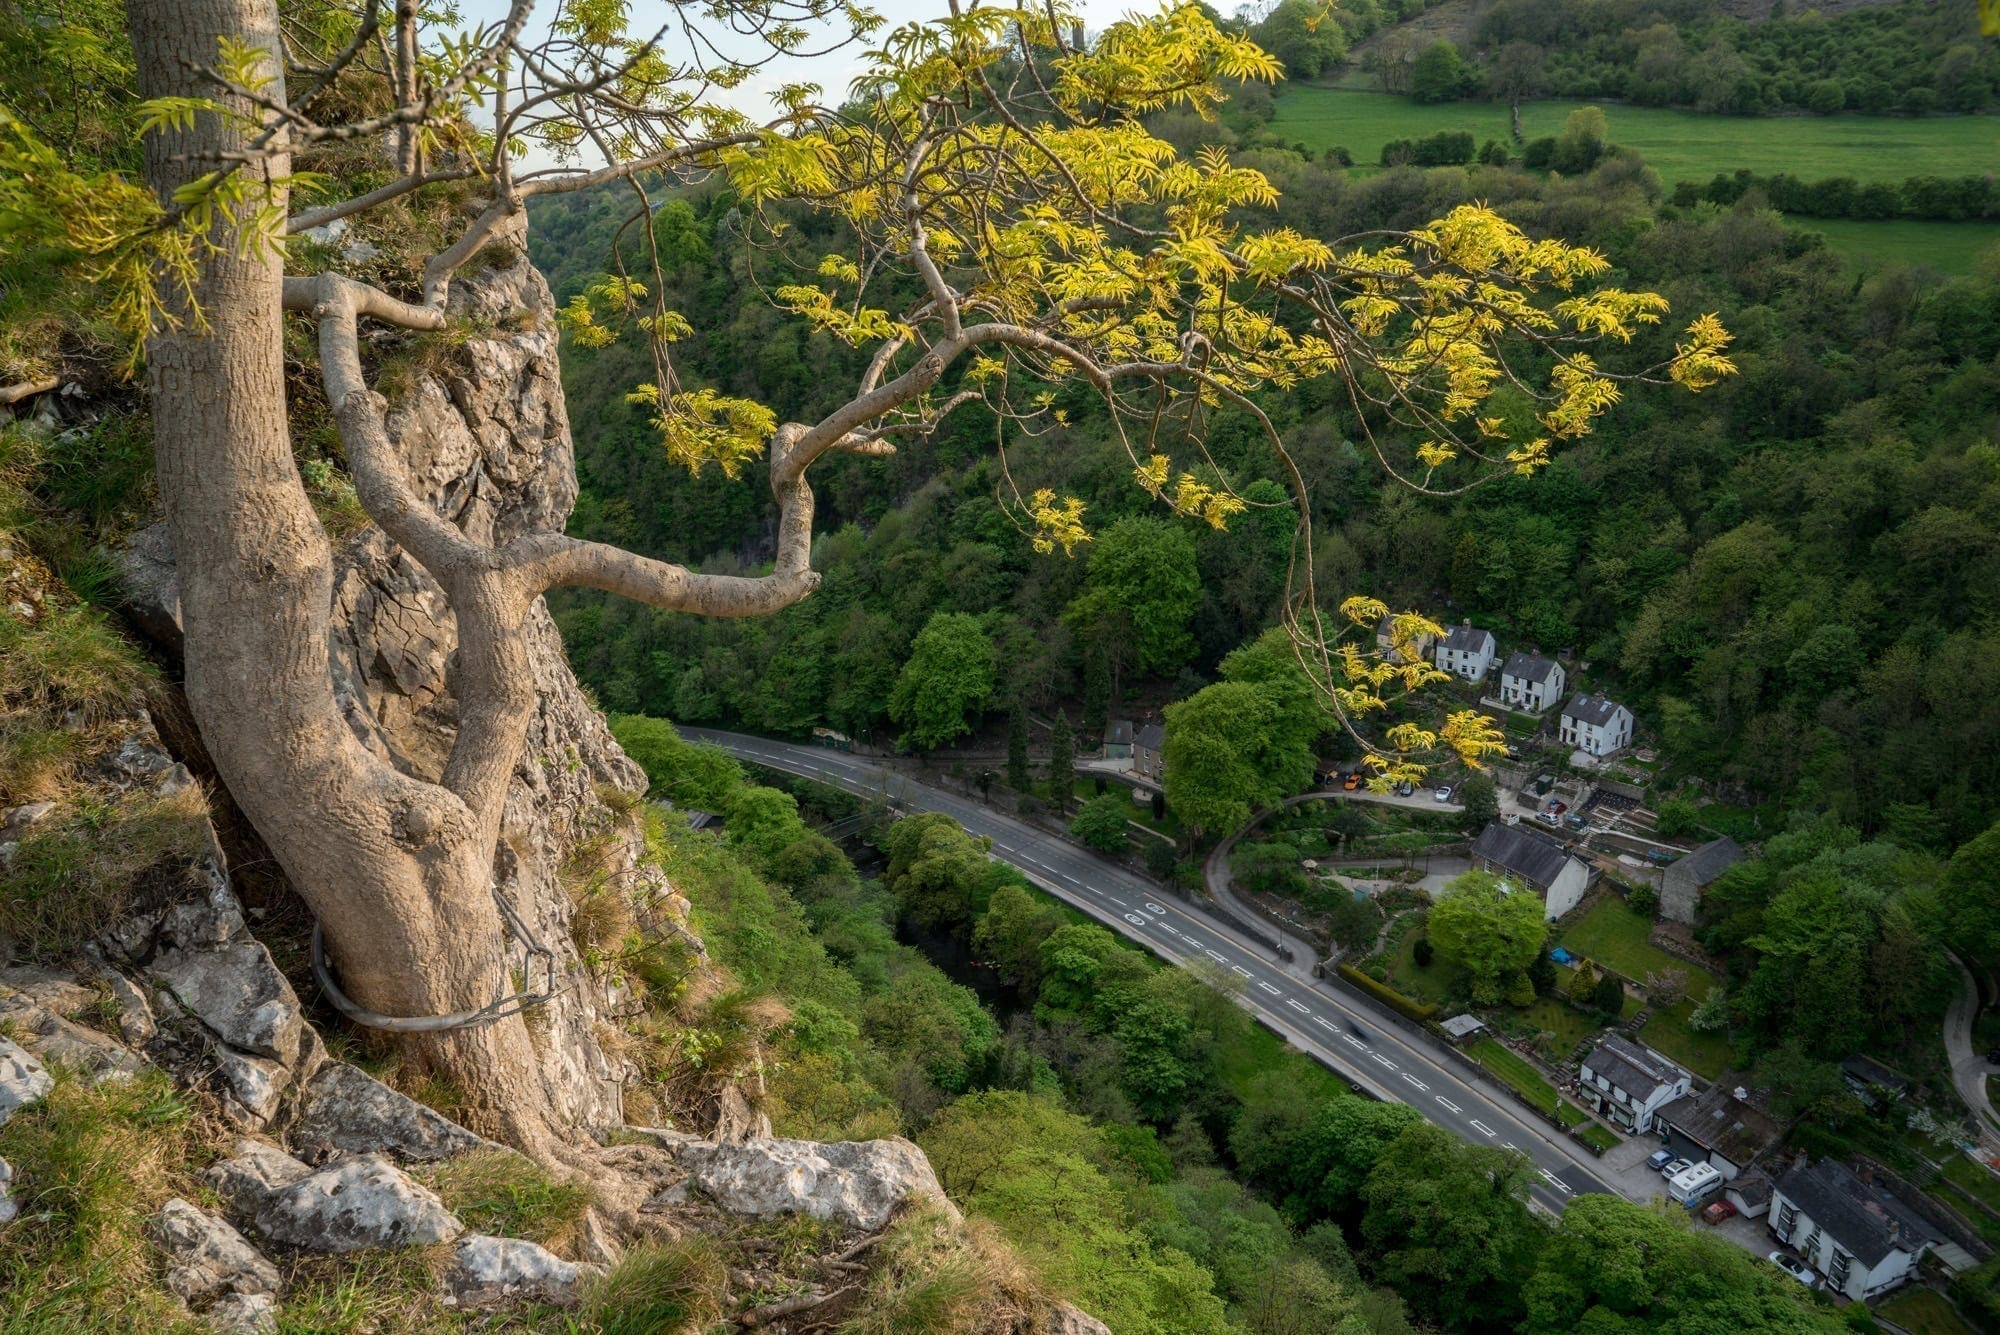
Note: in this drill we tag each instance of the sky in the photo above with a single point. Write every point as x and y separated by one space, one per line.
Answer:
831 71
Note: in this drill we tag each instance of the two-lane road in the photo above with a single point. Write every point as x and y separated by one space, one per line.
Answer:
1376 1051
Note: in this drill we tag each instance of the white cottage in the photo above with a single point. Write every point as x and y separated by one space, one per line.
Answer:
1529 681
1523 856
1630 1084
1865 1239
1595 725
1417 647
1466 653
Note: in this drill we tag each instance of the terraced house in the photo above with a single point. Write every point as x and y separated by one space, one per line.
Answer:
1861 1236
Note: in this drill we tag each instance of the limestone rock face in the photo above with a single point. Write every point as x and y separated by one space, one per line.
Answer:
353 1203
485 434
243 1314
208 1256
23 1079
857 1183
226 979
347 1110
490 1272
7 1207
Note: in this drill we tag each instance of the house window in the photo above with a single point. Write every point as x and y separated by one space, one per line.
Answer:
1837 1272
1810 1247
1788 1219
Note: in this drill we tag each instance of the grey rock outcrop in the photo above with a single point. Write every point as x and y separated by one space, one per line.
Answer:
346 1110
226 979
207 1256
8 1210
1066 1319
353 1203
491 1272
23 1079
857 1183
243 1314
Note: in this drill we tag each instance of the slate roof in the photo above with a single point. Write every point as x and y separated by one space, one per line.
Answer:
1630 1067
1871 1072
1594 710
1462 1026
1706 863
1753 1187
1152 736
1528 667
1866 1219
1534 857
1466 640
1724 1123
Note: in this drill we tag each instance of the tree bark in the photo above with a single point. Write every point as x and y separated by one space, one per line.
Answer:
395 868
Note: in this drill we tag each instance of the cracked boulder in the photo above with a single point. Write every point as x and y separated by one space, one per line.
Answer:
493 1272
243 1314
857 1183
23 1079
351 1204
226 979
1068 1319
349 1111
207 1256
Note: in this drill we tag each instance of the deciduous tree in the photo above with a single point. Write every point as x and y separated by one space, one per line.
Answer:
1491 929
949 673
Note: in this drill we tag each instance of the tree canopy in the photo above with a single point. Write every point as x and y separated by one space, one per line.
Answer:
1493 929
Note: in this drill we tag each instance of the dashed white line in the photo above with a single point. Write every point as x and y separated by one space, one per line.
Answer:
1217 956
1353 1042
1483 1129
1268 988
1380 1060
1409 1079
1323 1023
1448 1104
1556 1182
1295 1006
1239 970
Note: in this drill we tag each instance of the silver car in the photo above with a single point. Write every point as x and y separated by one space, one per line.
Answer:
1797 1269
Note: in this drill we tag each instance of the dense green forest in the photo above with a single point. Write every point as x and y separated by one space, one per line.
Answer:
1911 57
1141 1143
1791 578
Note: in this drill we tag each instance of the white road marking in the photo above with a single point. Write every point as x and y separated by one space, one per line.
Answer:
1483 1129
1380 1060
1323 1023
1353 1042
1151 907
1556 1182
1268 988
1295 1006
1216 955
1511 1145
1412 1080
1239 970
1449 1104
1135 920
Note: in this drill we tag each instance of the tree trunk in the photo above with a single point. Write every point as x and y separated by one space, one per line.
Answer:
393 867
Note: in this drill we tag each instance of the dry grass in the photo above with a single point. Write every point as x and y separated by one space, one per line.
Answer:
659 1290
98 860
934 1278
92 1165
70 660
503 1193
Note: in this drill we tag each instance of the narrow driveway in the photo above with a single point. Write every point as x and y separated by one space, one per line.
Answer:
1969 1067
1373 1049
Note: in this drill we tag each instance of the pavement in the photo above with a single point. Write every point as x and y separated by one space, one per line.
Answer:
1372 1048
1969 1067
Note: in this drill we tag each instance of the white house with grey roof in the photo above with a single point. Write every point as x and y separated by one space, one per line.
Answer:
1466 653
1595 725
1629 1083
1529 858
1529 681
1857 1233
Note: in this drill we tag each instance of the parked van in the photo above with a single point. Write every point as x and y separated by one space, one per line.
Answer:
1691 1184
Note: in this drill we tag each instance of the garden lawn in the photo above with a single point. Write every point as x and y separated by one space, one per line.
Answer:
1517 1073
1668 1031
1620 940
1679 145
1977 1181
1924 1312
1570 1026
1433 985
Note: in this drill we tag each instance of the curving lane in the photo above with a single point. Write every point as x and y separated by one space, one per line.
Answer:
1367 1045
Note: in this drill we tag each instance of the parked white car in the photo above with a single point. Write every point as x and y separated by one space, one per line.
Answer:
1797 1269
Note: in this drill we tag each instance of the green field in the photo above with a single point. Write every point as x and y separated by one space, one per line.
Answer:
1680 145
1945 246
1689 146
1668 1031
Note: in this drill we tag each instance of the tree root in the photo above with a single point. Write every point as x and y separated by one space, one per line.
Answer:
765 1315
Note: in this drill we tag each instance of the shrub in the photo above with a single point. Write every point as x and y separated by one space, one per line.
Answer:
1388 995
1644 900
1101 823
1422 952
1609 995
